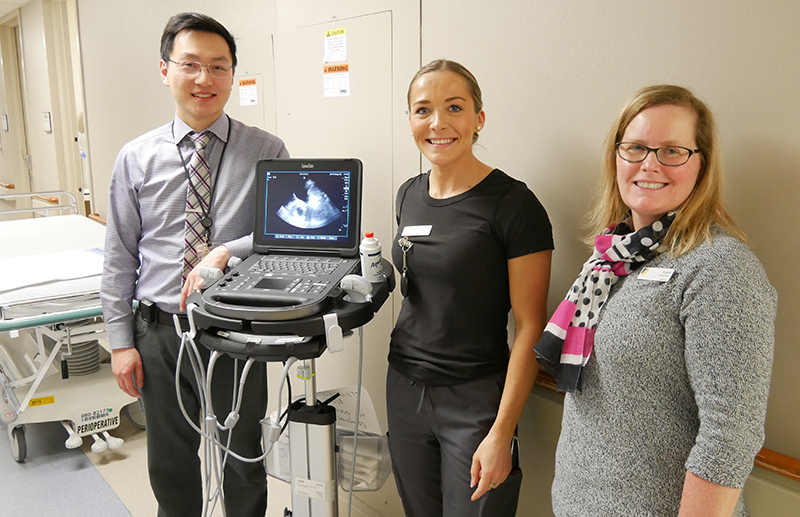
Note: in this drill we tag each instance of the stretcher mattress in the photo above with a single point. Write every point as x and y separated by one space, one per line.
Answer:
50 266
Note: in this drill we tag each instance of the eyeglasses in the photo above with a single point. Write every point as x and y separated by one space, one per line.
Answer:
671 155
192 69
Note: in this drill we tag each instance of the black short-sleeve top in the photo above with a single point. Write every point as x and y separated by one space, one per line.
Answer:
452 324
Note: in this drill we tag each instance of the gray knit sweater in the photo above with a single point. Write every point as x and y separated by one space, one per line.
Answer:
678 379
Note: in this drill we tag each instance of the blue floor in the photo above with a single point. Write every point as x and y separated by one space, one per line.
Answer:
53 481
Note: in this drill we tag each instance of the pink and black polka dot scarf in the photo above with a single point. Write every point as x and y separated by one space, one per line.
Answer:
567 341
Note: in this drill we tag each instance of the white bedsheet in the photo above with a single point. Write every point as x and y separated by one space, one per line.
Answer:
50 257
45 269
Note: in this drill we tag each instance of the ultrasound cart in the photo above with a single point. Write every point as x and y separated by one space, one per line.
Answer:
298 295
311 422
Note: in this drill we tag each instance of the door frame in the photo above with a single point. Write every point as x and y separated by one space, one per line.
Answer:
12 63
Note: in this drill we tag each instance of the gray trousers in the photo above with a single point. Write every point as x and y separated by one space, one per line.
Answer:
172 445
433 433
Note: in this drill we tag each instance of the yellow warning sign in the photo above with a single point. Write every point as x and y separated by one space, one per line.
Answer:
336 69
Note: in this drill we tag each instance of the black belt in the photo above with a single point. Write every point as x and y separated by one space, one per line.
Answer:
153 313
165 318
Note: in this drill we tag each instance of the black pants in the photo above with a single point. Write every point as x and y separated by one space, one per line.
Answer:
172 445
433 433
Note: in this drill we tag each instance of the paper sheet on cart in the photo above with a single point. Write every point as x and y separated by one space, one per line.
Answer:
20 272
345 406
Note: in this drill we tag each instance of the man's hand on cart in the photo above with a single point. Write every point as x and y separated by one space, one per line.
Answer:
126 364
216 258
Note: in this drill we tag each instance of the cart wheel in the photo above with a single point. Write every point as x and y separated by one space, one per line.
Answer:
135 413
19 449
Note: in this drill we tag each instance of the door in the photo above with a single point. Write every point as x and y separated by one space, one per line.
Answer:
42 77
355 124
75 173
349 115
15 172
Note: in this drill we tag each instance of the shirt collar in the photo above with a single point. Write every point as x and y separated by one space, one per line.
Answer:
219 128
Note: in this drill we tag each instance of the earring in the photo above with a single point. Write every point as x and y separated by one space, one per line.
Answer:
480 127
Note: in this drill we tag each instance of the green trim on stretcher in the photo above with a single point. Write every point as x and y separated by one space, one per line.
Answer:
50 319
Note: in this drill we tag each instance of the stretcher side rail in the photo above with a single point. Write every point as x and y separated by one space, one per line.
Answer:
53 318
71 205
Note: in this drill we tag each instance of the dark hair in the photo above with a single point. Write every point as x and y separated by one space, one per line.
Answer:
194 22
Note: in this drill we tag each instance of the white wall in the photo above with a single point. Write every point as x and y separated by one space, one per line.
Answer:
558 72
120 45
554 75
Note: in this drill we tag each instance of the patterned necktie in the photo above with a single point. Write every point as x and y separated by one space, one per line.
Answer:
198 198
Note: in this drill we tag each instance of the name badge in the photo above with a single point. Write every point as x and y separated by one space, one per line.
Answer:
421 230
655 274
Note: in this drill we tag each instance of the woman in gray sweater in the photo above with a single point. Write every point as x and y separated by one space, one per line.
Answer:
664 343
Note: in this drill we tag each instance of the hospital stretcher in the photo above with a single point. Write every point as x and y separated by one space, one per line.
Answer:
52 365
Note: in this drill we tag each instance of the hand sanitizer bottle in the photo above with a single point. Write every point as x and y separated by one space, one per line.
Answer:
371 265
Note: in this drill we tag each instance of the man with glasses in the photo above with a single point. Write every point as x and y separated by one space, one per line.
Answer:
182 197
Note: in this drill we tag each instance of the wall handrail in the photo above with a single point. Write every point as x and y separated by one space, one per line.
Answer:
97 218
766 459
53 200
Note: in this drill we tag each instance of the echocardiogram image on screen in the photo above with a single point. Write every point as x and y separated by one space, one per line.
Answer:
307 206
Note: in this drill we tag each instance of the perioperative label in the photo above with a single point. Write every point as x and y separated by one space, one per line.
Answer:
96 421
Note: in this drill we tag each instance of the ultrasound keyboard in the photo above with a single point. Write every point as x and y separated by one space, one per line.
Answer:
306 266
278 287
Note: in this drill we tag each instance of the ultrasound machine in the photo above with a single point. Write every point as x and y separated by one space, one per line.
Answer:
299 294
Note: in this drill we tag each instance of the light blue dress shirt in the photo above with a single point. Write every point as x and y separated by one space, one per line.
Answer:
144 244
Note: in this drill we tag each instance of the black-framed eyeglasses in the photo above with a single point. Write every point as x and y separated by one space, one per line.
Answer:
671 155
192 68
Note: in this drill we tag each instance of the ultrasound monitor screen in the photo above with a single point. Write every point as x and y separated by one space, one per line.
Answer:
307 205
311 209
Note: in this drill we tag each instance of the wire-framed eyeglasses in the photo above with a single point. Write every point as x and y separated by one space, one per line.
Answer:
192 69
671 155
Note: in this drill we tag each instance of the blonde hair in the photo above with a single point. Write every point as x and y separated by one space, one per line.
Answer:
704 206
445 65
